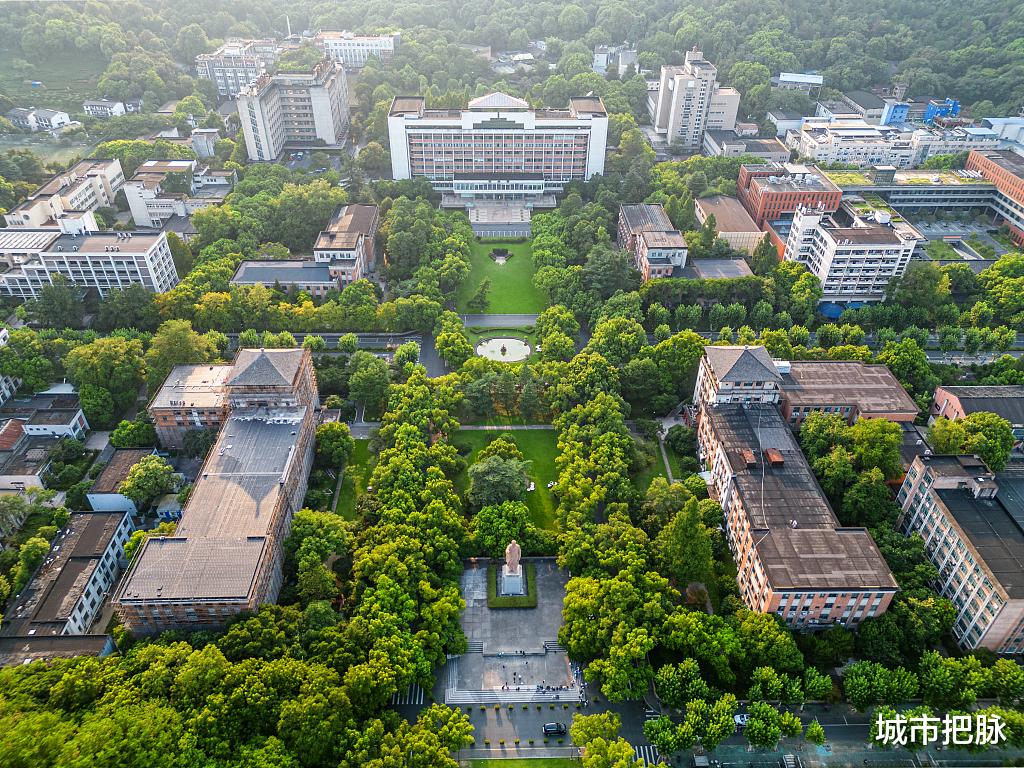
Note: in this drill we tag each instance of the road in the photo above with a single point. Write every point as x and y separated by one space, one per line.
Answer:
498 321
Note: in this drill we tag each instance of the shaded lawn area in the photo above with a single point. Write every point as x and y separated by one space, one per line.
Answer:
512 290
643 478
357 474
68 76
539 446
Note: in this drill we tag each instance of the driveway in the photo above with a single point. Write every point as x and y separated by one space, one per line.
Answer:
499 321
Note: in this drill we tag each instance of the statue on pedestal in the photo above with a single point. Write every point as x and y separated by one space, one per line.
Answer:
513 580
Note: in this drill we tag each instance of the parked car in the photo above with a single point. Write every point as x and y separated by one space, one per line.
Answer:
554 729
741 719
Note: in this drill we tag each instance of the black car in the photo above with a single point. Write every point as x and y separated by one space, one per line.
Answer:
554 729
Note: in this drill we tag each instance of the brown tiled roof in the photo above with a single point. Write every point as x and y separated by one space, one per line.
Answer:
117 469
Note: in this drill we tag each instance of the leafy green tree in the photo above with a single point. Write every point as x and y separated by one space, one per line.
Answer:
59 305
815 733
764 728
985 434
128 307
496 525
334 444
368 382
113 364
683 547
133 434
876 445
150 477
495 480
821 433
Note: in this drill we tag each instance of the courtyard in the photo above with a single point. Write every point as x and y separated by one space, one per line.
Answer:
512 290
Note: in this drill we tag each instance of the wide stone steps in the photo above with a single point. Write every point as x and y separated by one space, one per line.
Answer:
525 696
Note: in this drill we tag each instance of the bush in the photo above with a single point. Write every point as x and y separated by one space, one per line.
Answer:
529 600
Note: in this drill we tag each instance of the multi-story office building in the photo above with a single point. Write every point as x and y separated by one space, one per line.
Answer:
792 556
776 190
798 81
829 140
957 402
867 105
8 384
55 611
102 261
348 244
161 189
732 222
854 263
736 375
354 50
1005 169
88 185
658 248
850 388
103 108
35 119
294 108
498 148
928 142
689 101
236 64
226 555
731 144
191 397
970 520
918 191
55 413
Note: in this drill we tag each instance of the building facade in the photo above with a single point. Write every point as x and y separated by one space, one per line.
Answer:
689 101
646 232
191 397
354 50
854 263
829 140
161 189
64 597
741 375
8 384
793 558
957 402
1005 169
348 245
102 261
226 555
498 148
298 108
777 190
88 185
37 119
236 64
972 534
732 222
850 388
103 109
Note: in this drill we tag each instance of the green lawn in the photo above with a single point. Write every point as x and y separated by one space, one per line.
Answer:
656 469
539 446
938 249
68 77
512 288
357 472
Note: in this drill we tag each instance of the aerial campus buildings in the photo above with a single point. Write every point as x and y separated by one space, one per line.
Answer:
225 557
793 557
498 148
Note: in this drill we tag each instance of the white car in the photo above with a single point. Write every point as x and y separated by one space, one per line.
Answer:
741 719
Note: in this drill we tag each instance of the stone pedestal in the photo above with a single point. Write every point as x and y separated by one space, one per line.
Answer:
512 583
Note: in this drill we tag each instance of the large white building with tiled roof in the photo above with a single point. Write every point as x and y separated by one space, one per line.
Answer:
498 147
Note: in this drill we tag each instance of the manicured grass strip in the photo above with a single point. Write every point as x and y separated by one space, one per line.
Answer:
539 446
529 600
357 473
512 290
540 762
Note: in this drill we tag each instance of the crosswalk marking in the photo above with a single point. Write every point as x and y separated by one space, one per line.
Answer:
413 696
648 753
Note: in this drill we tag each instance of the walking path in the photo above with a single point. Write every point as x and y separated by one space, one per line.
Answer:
503 427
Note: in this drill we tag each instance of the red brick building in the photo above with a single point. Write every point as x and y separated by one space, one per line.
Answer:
777 190
1005 169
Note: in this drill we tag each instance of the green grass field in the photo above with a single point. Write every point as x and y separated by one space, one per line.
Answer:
512 288
357 473
68 77
539 446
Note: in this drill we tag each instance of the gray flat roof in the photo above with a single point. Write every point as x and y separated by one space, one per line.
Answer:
646 216
285 272
871 388
193 386
224 529
992 529
712 269
117 469
1006 401
730 215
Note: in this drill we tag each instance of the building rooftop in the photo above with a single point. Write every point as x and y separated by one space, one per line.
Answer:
663 239
193 386
782 115
869 235
729 213
117 469
646 217
798 538
265 367
45 605
224 528
127 242
165 166
22 240
993 527
871 388
738 364
497 100
717 269
1006 401
347 226
791 177
587 105
11 432
865 100
283 271
1005 158
64 181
